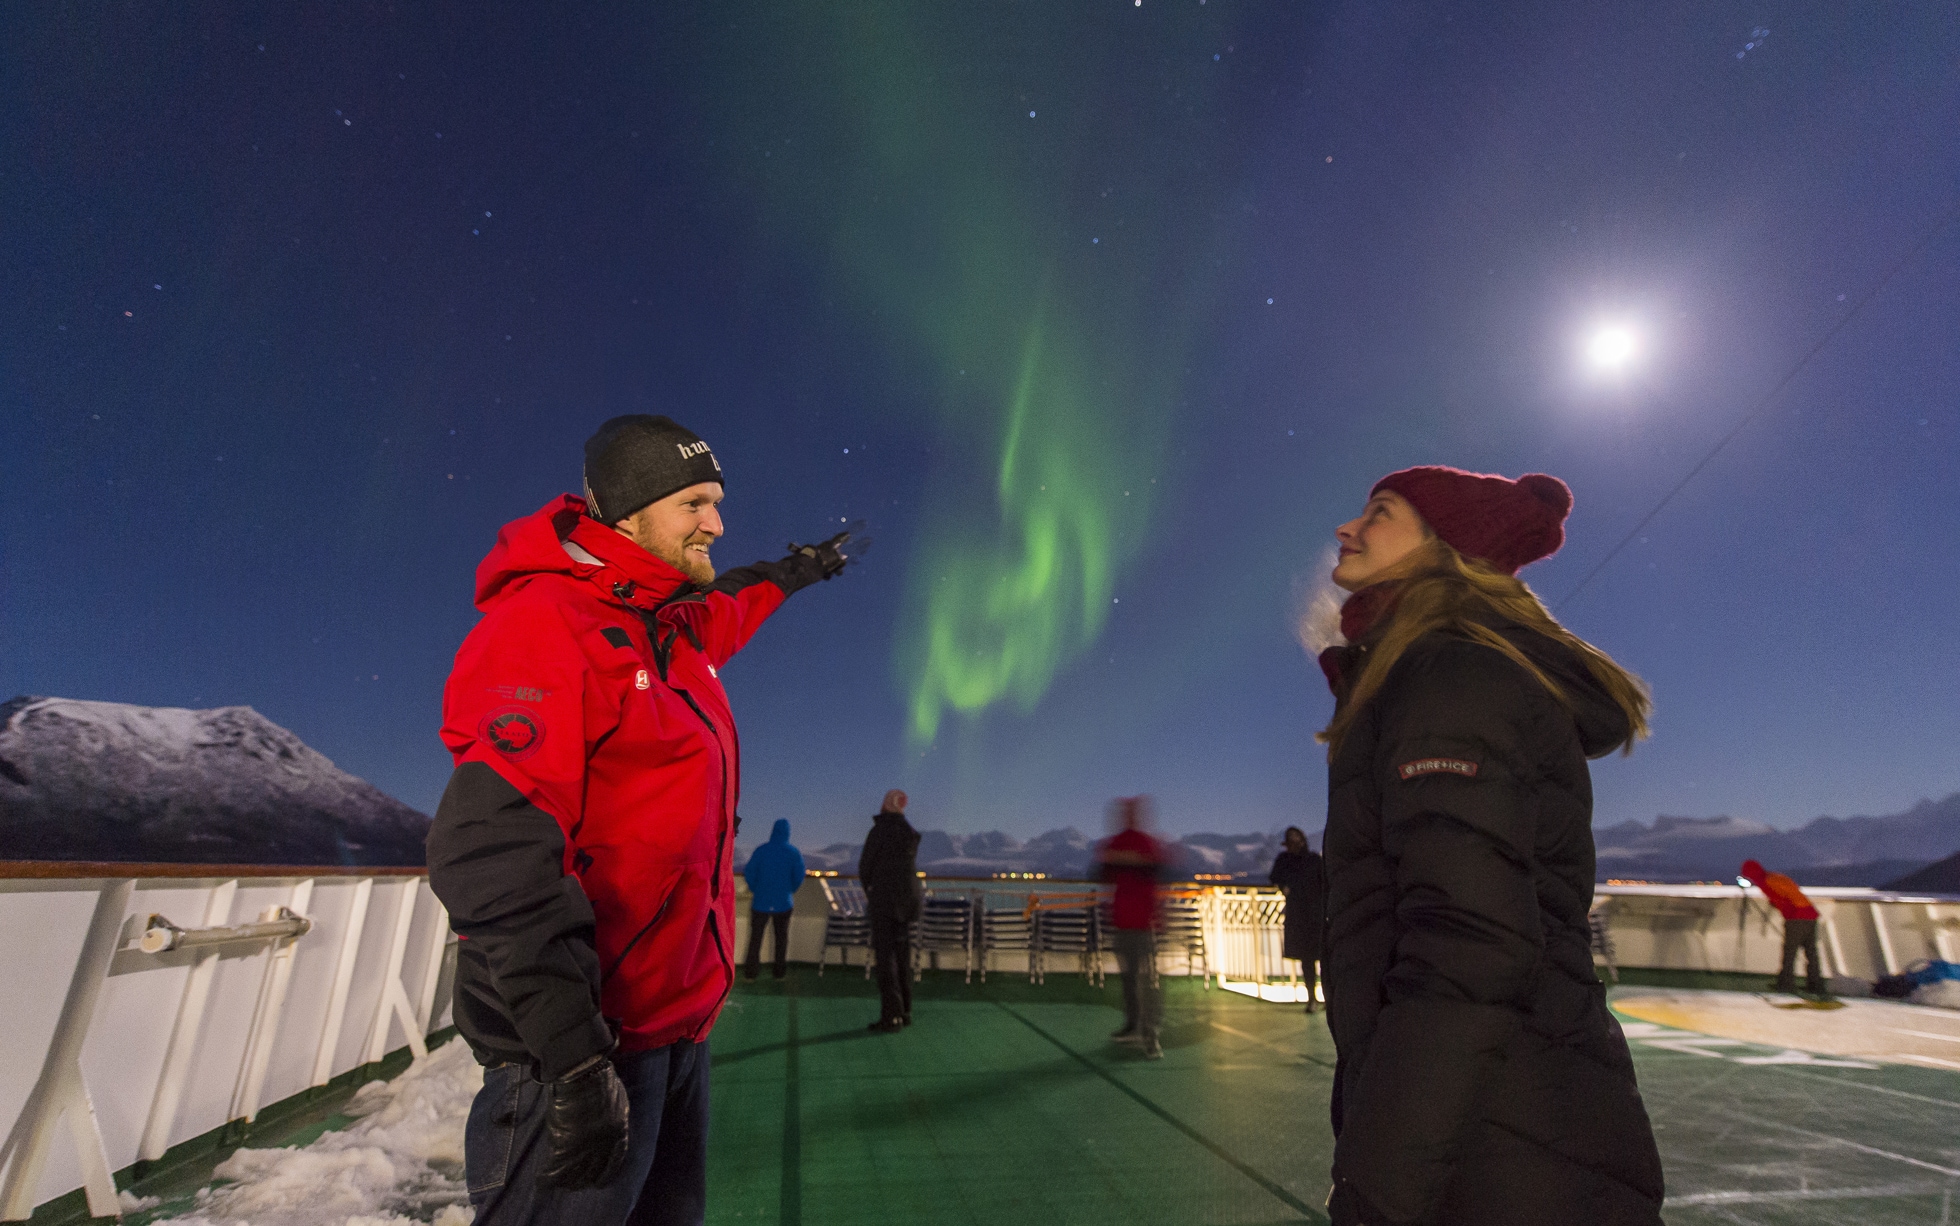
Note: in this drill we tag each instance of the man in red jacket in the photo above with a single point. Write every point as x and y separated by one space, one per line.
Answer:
1133 861
1799 926
583 845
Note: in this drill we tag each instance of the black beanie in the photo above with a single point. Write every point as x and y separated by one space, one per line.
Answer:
637 459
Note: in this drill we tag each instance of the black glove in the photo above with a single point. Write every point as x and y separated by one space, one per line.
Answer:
585 1125
829 554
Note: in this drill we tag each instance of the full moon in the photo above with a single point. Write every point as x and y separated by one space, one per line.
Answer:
1610 348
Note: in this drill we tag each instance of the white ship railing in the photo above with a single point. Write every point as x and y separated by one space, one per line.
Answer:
1244 929
1862 933
261 984
146 1005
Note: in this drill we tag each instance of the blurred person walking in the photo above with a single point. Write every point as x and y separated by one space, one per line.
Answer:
582 844
1297 872
888 868
774 872
1133 862
1481 1078
1799 927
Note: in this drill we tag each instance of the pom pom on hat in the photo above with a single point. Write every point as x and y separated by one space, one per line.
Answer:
1509 524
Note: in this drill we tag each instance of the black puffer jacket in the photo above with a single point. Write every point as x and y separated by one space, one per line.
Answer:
1481 1078
888 868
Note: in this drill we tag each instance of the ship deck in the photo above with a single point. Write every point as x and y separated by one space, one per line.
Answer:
1007 1102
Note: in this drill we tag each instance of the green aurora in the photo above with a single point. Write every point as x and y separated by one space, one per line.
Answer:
998 610
1044 294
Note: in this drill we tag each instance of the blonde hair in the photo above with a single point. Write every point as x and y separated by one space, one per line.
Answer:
1447 591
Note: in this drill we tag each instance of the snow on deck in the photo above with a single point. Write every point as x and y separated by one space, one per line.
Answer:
401 1162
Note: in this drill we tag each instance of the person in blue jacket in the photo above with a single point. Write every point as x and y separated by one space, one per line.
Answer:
774 872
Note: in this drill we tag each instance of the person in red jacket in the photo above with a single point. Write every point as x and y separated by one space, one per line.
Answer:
1799 926
1133 861
584 843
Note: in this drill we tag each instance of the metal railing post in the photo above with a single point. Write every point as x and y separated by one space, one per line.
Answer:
1831 932
438 948
1884 940
343 981
394 998
265 1018
60 1089
184 1033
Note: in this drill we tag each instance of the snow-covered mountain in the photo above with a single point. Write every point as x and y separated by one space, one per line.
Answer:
1067 854
108 781
1826 851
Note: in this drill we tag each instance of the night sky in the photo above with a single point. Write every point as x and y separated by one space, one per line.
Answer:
1101 315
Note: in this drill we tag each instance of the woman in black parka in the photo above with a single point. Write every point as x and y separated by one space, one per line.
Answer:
1481 1078
1296 871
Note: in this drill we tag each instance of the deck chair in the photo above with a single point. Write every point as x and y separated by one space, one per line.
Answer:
846 926
1008 928
945 926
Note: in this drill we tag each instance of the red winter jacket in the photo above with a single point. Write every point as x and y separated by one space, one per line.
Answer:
583 846
1781 891
1134 862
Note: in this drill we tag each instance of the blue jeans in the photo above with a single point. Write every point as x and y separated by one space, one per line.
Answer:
664 1181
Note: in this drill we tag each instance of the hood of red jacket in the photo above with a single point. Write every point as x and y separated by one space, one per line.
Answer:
535 545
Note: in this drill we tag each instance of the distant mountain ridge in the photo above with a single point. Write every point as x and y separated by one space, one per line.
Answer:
1826 851
1940 877
110 781
1066 853
1866 851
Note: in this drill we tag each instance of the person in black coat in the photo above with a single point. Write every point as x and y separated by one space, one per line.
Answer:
1296 871
1481 1078
888 869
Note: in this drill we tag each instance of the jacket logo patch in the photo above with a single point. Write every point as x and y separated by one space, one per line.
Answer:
519 693
641 681
1437 766
513 733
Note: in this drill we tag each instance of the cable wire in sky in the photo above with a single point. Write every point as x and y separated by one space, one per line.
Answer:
1897 267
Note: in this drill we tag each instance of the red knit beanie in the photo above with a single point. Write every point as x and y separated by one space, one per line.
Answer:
1509 524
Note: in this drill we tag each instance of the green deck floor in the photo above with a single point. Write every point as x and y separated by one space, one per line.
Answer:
1006 1102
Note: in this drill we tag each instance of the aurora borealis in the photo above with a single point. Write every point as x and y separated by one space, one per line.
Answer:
999 615
958 230
1100 316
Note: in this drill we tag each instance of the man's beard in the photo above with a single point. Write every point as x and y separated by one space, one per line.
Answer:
696 566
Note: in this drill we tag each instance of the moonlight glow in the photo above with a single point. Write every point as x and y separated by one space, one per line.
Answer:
1611 348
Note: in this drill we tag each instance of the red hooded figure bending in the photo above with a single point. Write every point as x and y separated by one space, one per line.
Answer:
1799 926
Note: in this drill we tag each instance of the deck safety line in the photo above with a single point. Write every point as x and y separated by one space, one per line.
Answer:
1787 1071
791 1212
1243 1168
1881 1192
1868 1149
1284 1051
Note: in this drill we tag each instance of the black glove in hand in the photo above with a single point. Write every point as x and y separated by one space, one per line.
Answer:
829 554
585 1126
